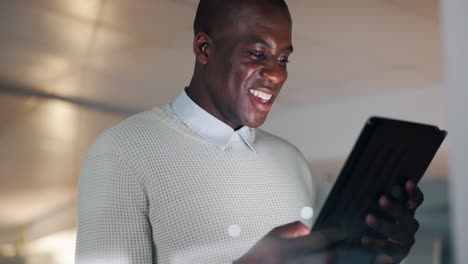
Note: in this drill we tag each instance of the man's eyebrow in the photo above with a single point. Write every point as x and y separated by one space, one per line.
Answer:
262 42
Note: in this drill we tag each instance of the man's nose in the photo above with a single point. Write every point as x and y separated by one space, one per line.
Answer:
275 74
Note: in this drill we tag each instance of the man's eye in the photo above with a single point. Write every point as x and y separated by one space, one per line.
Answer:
283 60
258 55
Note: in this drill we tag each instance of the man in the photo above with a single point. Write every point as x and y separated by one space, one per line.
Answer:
195 182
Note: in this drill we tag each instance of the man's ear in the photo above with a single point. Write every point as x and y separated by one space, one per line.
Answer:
202 46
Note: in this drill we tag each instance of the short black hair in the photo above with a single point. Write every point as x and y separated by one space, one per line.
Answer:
208 11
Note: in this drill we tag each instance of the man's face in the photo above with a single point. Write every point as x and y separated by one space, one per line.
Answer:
248 65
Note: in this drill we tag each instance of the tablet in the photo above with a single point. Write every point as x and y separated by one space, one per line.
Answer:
387 153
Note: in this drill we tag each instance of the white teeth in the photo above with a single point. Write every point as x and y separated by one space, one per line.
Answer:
264 96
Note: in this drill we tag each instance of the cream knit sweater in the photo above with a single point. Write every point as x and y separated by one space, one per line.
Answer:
153 191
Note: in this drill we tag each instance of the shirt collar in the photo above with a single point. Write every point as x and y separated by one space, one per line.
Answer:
208 126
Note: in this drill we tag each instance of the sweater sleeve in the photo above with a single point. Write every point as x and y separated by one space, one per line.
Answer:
113 225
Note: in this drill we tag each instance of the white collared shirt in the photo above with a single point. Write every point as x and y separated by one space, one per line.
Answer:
206 125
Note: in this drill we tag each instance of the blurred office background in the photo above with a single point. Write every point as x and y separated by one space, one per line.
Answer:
71 68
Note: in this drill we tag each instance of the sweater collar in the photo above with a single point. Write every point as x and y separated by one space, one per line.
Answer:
206 125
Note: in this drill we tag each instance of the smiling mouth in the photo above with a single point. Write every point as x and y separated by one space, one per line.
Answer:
262 96
262 101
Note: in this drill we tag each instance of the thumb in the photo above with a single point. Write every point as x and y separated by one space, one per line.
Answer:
291 230
315 241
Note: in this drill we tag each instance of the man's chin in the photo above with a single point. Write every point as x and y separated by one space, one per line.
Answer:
256 122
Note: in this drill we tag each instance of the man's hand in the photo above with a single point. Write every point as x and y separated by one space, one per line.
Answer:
400 233
293 243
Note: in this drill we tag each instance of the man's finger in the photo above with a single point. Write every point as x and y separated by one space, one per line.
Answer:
385 247
382 226
393 208
400 213
415 195
291 230
384 259
404 240
317 258
403 231
314 242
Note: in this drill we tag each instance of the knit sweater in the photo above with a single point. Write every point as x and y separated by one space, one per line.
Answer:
153 191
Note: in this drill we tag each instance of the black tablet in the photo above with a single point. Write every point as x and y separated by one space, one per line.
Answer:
387 153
